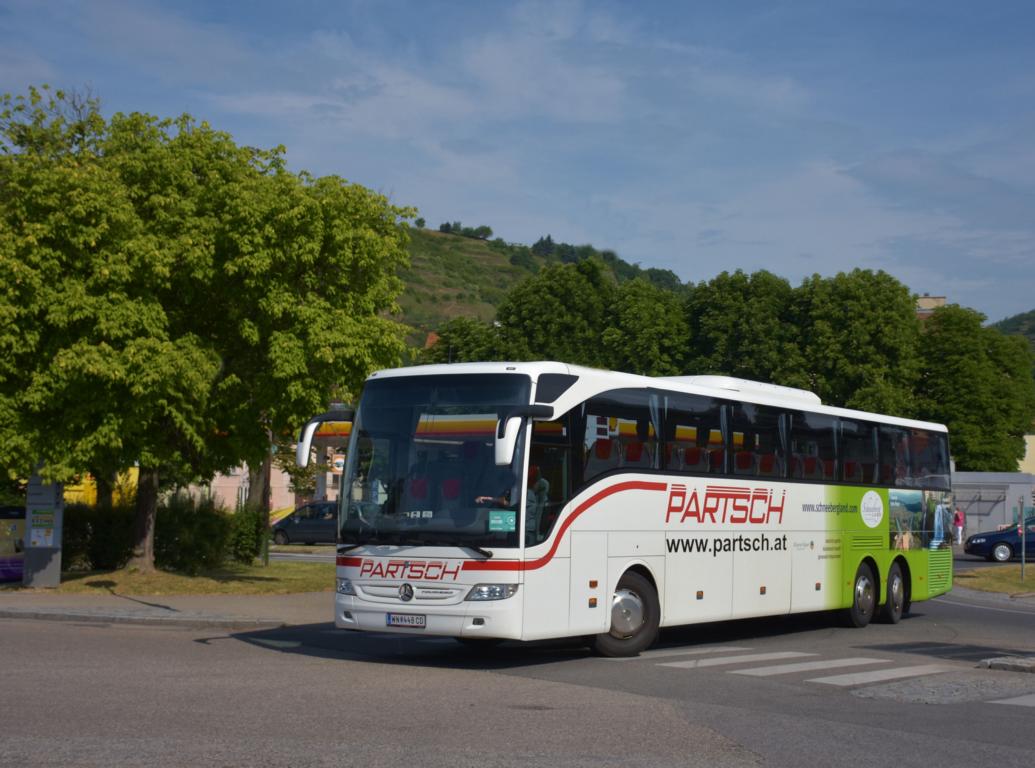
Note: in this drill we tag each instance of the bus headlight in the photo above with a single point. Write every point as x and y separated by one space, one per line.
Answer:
491 591
345 587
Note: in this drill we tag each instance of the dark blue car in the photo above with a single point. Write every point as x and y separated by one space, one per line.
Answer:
313 523
1002 545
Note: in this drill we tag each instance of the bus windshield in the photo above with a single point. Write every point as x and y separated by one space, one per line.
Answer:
421 468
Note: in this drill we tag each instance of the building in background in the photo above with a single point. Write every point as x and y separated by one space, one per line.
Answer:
926 304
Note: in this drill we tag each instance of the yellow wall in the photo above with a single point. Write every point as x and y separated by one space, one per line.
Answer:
1028 462
86 491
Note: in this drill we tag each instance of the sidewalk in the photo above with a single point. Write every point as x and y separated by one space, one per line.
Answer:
191 611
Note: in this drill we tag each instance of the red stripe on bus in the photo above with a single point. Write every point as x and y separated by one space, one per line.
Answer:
532 565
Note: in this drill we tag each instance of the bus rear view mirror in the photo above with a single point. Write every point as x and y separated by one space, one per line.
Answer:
305 438
509 428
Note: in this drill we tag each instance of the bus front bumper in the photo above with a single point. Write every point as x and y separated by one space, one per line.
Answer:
469 619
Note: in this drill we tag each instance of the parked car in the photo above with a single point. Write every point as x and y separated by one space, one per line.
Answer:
1002 545
309 524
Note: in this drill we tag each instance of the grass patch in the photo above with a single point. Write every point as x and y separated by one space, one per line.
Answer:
233 579
1004 578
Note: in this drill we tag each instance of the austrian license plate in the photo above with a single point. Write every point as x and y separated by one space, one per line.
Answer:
415 620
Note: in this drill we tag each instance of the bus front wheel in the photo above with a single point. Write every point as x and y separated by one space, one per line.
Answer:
635 617
864 598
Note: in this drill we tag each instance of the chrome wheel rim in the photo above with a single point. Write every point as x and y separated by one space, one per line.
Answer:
898 593
864 597
626 613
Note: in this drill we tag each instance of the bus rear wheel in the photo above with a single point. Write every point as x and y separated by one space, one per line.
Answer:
864 598
896 601
635 617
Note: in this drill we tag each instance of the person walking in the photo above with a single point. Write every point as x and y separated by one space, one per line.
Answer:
958 521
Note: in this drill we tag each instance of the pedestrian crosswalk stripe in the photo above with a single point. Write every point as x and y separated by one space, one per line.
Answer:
742 659
664 652
880 675
806 666
1020 701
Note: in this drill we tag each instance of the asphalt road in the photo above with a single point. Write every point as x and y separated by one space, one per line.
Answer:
758 692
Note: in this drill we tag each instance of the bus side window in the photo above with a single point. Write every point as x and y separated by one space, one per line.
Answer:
813 447
895 466
757 446
859 457
693 434
550 476
620 433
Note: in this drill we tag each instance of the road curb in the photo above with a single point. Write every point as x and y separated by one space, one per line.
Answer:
1011 664
187 621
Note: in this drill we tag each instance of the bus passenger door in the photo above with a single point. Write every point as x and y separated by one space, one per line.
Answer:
590 605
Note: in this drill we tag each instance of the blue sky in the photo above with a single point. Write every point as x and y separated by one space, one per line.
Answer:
797 137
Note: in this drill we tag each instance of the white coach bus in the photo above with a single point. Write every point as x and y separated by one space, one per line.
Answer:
523 501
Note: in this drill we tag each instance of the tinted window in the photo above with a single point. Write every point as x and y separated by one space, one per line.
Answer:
928 459
813 451
549 481
859 454
756 441
620 432
693 434
894 456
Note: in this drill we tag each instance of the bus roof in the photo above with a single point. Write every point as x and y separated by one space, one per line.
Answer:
589 382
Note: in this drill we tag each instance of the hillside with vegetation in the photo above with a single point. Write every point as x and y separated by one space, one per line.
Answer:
458 271
1019 325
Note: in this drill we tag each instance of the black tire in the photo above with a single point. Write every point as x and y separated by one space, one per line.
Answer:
864 598
281 537
1002 552
896 595
635 617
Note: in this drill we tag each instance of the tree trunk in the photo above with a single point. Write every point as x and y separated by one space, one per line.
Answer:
143 558
105 488
258 486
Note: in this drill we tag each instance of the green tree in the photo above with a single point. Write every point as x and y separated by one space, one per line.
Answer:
172 299
860 341
978 382
467 340
648 333
741 325
560 314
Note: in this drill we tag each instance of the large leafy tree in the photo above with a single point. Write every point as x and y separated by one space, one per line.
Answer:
860 340
741 325
561 313
173 299
466 339
647 331
978 382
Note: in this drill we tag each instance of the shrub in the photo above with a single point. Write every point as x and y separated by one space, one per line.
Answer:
190 535
246 533
97 538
